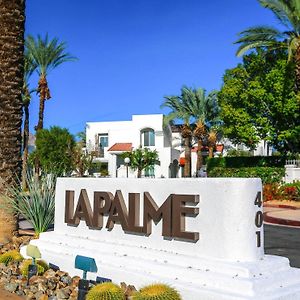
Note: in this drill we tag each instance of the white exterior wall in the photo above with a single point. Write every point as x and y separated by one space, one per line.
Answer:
130 132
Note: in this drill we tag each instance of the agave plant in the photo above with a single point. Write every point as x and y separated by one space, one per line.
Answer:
36 204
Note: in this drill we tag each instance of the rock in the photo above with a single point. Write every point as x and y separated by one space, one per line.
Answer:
33 288
66 279
52 298
49 274
52 283
39 295
61 273
60 285
42 287
37 279
30 296
63 293
75 280
20 292
11 287
74 294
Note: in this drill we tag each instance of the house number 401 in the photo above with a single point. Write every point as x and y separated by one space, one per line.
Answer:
258 218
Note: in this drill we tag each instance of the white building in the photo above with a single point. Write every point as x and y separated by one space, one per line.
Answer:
110 139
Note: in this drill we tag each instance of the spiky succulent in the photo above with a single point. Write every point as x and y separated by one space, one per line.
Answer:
10 256
42 267
157 292
106 291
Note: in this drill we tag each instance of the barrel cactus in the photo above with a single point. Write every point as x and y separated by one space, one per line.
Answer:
42 267
10 256
106 291
157 292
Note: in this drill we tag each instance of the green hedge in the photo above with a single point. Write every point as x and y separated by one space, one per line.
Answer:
246 162
267 174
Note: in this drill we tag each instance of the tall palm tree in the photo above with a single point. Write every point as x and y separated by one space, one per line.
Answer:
179 106
288 14
29 68
205 110
12 19
47 55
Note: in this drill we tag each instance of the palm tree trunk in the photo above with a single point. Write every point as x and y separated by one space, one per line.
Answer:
12 19
297 69
44 93
187 150
139 173
25 144
199 156
211 151
40 124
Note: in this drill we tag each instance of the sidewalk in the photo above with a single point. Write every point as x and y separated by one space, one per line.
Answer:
282 213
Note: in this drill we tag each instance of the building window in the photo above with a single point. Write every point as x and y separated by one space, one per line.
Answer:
148 137
150 172
103 140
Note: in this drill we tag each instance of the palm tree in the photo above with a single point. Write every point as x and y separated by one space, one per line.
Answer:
288 14
179 106
47 55
12 19
29 67
205 110
141 159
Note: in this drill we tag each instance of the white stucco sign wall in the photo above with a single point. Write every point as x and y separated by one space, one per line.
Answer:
208 240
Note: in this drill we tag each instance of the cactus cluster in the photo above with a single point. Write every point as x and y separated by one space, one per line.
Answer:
106 291
157 292
10 256
42 267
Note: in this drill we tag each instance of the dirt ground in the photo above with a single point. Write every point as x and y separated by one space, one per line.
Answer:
4 295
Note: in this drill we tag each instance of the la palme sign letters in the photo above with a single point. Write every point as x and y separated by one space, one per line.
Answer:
172 212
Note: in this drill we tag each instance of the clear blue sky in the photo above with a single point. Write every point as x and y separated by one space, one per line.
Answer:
132 53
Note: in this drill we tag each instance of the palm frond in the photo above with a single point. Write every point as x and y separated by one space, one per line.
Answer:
47 54
283 10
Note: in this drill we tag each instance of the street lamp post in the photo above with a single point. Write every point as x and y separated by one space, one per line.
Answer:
127 161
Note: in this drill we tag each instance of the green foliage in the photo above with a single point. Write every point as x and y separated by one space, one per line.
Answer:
42 267
37 203
10 256
258 102
47 54
106 291
82 161
288 14
142 158
235 153
157 292
55 148
245 161
267 174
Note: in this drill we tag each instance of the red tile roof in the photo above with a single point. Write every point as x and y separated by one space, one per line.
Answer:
121 147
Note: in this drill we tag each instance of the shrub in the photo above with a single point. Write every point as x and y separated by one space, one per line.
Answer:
271 191
267 174
42 267
10 256
243 162
36 204
54 149
157 292
106 291
291 191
